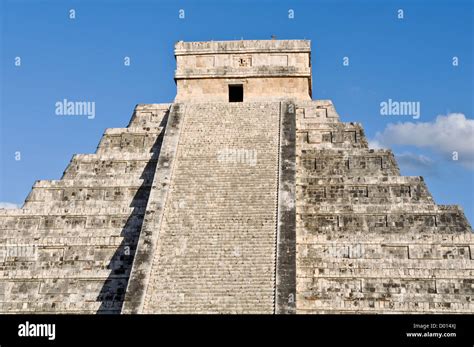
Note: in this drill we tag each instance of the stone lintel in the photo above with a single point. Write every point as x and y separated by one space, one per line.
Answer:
242 46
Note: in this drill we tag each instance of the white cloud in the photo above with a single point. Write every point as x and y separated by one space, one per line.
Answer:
447 134
374 144
8 205
416 162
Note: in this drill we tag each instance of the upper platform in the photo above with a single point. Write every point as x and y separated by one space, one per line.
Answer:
265 69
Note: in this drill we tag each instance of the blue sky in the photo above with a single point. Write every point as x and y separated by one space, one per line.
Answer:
407 59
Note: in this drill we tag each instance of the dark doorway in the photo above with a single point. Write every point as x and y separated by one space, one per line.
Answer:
236 93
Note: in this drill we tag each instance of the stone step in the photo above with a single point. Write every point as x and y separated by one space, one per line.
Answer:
382 208
77 307
376 190
131 140
131 228
28 222
111 165
365 269
357 180
413 238
353 163
383 222
59 272
218 236
365 250
67 194
149 115
331 136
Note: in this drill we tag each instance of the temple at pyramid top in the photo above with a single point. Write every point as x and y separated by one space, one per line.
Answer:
245 70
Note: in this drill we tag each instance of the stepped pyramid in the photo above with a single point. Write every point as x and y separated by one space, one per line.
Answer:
242 196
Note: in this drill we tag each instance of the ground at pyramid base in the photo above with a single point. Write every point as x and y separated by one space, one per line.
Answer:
244 195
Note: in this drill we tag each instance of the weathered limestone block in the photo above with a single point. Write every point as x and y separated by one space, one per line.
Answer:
76 237
129 140
382 193
149 116
369 240
354 163
119 166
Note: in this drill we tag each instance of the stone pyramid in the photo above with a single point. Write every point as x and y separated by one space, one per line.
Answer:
242 196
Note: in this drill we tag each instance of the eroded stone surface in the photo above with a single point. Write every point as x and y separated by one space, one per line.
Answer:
215 251
368 239
270 205
70 248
